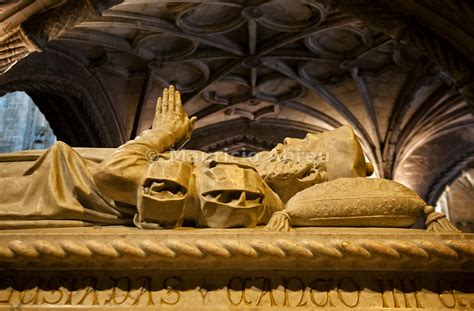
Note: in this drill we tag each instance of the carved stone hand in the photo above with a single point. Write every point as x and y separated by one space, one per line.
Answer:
170 116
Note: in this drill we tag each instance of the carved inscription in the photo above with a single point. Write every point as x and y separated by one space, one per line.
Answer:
403 297
296 292
450 297
352 291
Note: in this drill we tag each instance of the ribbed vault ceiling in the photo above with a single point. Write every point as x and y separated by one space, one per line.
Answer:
255 72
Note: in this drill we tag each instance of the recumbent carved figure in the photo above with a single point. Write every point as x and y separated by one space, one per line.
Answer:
315 181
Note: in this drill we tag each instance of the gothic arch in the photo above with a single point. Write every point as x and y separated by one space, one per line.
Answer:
76 109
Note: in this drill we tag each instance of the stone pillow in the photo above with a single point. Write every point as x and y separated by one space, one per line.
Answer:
355 202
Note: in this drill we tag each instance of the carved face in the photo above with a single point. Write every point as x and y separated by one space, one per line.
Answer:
292 166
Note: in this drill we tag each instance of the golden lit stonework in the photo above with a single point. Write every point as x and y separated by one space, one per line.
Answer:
236 155
168 195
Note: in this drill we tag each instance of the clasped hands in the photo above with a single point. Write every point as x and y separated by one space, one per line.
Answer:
170 116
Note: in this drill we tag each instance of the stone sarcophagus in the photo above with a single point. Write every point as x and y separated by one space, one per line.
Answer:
220 269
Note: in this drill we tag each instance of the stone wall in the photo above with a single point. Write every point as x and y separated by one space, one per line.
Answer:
22 125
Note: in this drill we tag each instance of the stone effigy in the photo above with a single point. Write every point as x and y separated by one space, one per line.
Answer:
145 180
260 232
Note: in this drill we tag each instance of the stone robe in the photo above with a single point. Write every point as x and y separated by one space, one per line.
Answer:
61 188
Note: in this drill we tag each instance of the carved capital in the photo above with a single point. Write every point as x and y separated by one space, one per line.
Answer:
14 47
51 24
40 29
27 42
